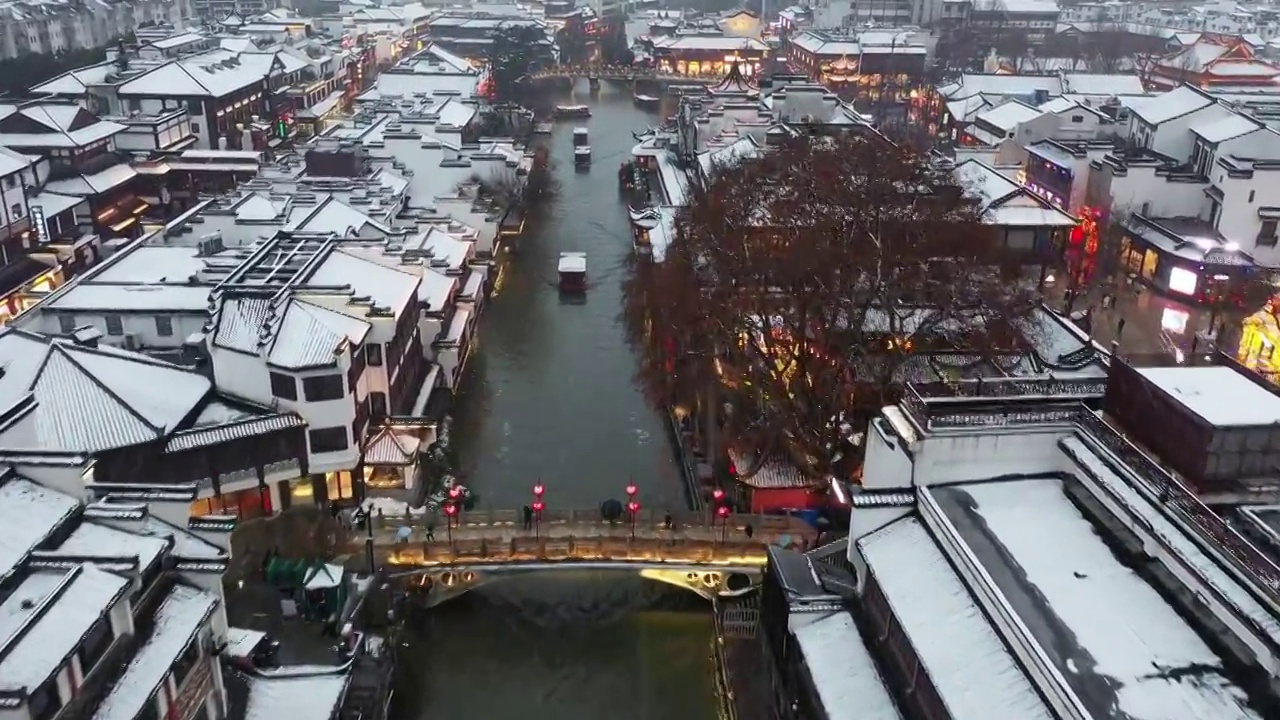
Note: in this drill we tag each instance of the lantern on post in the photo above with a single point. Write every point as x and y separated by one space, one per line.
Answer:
723 512
450 511
633 507
537 518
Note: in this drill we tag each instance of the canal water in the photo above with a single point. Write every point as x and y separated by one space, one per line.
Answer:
550 396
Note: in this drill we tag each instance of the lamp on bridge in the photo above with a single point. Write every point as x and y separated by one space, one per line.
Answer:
723 513
631 489
538 490
633 507
450 511
537 516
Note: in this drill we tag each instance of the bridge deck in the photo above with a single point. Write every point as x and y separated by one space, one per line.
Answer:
495 538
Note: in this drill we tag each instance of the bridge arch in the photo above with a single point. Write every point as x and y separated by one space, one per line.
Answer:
441 583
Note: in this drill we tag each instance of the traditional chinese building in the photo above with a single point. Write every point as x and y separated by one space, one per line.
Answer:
1213 62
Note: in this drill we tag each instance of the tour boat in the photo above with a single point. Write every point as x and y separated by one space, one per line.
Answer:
573 111
543 128
580 137
647 100
593 82
573 272
582 155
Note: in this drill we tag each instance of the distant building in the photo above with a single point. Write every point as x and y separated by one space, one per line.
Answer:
51 28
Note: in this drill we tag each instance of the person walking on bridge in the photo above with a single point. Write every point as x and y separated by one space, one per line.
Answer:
528 517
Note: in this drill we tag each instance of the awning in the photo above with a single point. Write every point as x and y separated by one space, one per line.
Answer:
124 224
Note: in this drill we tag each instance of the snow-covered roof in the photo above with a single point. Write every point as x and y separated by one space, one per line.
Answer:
186 544
29 514
323 576
151 264
44 618
313 696
51 124
974 674
1006 203
241 642
971 84
843 671
310 335
92 184
1009 115
213 74
1219 395
54 203
1215 130
95 540
153 298
1078 600
91 399
1103 84
389 447
184 611
704 42
387 287
1173 104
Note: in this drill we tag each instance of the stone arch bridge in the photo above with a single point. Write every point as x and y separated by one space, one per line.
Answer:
712 559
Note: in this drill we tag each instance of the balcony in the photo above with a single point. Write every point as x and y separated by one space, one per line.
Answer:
257 450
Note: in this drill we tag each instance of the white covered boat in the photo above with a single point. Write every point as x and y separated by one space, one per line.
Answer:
572 111
573 272
582 155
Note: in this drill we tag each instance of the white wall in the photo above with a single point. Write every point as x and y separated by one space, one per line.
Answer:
1238 219
1166 198
142 326
1174 137
241 375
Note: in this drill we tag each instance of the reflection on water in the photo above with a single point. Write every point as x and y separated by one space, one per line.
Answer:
549 395
564 646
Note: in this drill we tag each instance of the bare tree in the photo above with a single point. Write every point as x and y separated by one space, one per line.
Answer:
806 281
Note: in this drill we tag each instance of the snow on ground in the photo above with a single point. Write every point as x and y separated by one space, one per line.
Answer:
392 509
843 672
1158 666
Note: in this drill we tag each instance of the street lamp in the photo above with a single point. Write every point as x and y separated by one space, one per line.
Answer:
450 511
717 499
633 507
723 512
455 499
631 489
537 518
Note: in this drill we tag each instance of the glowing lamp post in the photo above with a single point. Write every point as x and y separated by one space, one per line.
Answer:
450 511
717 499
632 490
536 507
723 512
633 507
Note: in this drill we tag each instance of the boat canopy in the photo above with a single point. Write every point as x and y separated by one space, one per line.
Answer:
573 262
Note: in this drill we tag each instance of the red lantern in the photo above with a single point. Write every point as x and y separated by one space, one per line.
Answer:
455 492
723 511
450 509
633 507
717 495
538 489
537 506
631 490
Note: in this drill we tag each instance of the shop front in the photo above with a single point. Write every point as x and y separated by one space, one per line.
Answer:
323 488
1195 266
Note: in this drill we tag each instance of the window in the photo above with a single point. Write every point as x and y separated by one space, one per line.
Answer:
284 386
378 404
16 210
10 183
328 439
1077 118
186 662
323 387
1251 194
115 325
95 645
195 128
67 323
1267 234
164 326
373 354
44 702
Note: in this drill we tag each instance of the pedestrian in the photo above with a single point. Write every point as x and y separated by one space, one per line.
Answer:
528 517
431 532
749 531
667 521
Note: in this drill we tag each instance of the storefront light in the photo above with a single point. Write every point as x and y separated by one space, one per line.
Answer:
1174 320
1183 281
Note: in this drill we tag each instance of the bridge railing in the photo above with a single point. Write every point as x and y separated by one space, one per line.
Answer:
554 516
571 549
